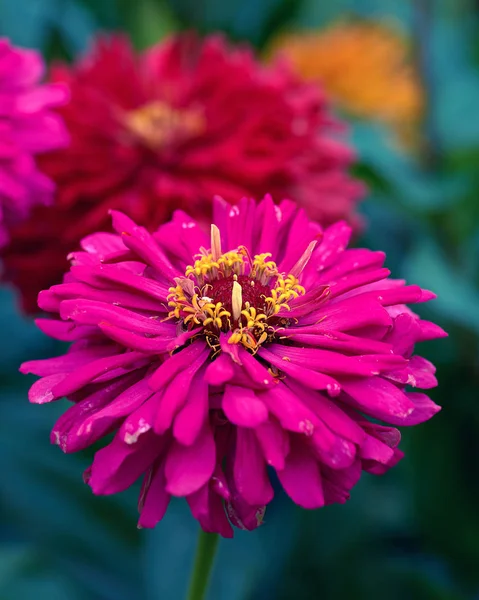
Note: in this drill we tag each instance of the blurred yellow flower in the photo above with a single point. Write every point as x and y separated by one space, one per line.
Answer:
365 69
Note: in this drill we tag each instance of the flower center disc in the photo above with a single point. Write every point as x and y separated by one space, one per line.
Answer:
253 292
158 124
232 292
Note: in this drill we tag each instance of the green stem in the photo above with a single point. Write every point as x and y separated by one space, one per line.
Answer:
204 559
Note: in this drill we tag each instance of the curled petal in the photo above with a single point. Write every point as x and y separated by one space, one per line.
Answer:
301 477
243 407
117 466
207 507
274 442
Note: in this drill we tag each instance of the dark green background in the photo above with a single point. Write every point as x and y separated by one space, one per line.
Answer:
412 534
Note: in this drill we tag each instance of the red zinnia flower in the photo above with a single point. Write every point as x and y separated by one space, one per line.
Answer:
269 344
169 129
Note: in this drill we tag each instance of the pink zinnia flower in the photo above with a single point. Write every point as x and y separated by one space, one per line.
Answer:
27 127
269 344
169 128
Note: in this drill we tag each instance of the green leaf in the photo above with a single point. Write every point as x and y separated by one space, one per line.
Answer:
29 342
240 19
456 82
75 25
458 298
147 21
414 188
25 575
92 540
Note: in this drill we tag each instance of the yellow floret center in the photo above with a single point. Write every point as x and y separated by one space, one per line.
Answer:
233 293
158 124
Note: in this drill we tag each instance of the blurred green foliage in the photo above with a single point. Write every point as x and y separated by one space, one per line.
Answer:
412 534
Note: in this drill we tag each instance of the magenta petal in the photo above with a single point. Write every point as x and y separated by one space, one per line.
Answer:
301 477
424 409
219 484
394 293
126 281
336 340
258 373
143 244
328 362
219 371
148 345
339 482
242 407
404 334
41 390
378 398
102 244
274 442
60 330
301 234
268 238
423 373
126 403
350 314
307 377
358 279
374 449
176 363
430 331
208 509
140 420
175 394
154 498
331 449
90 312
243 515
189 467
119 465
182 236
67 362
335 240
86 374
289 410
50 300
388 435
377 468
329 413
419 372
351 261
230 350
189 421
77 428
250 475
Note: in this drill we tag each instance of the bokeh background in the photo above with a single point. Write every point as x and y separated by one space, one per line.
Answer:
412 534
